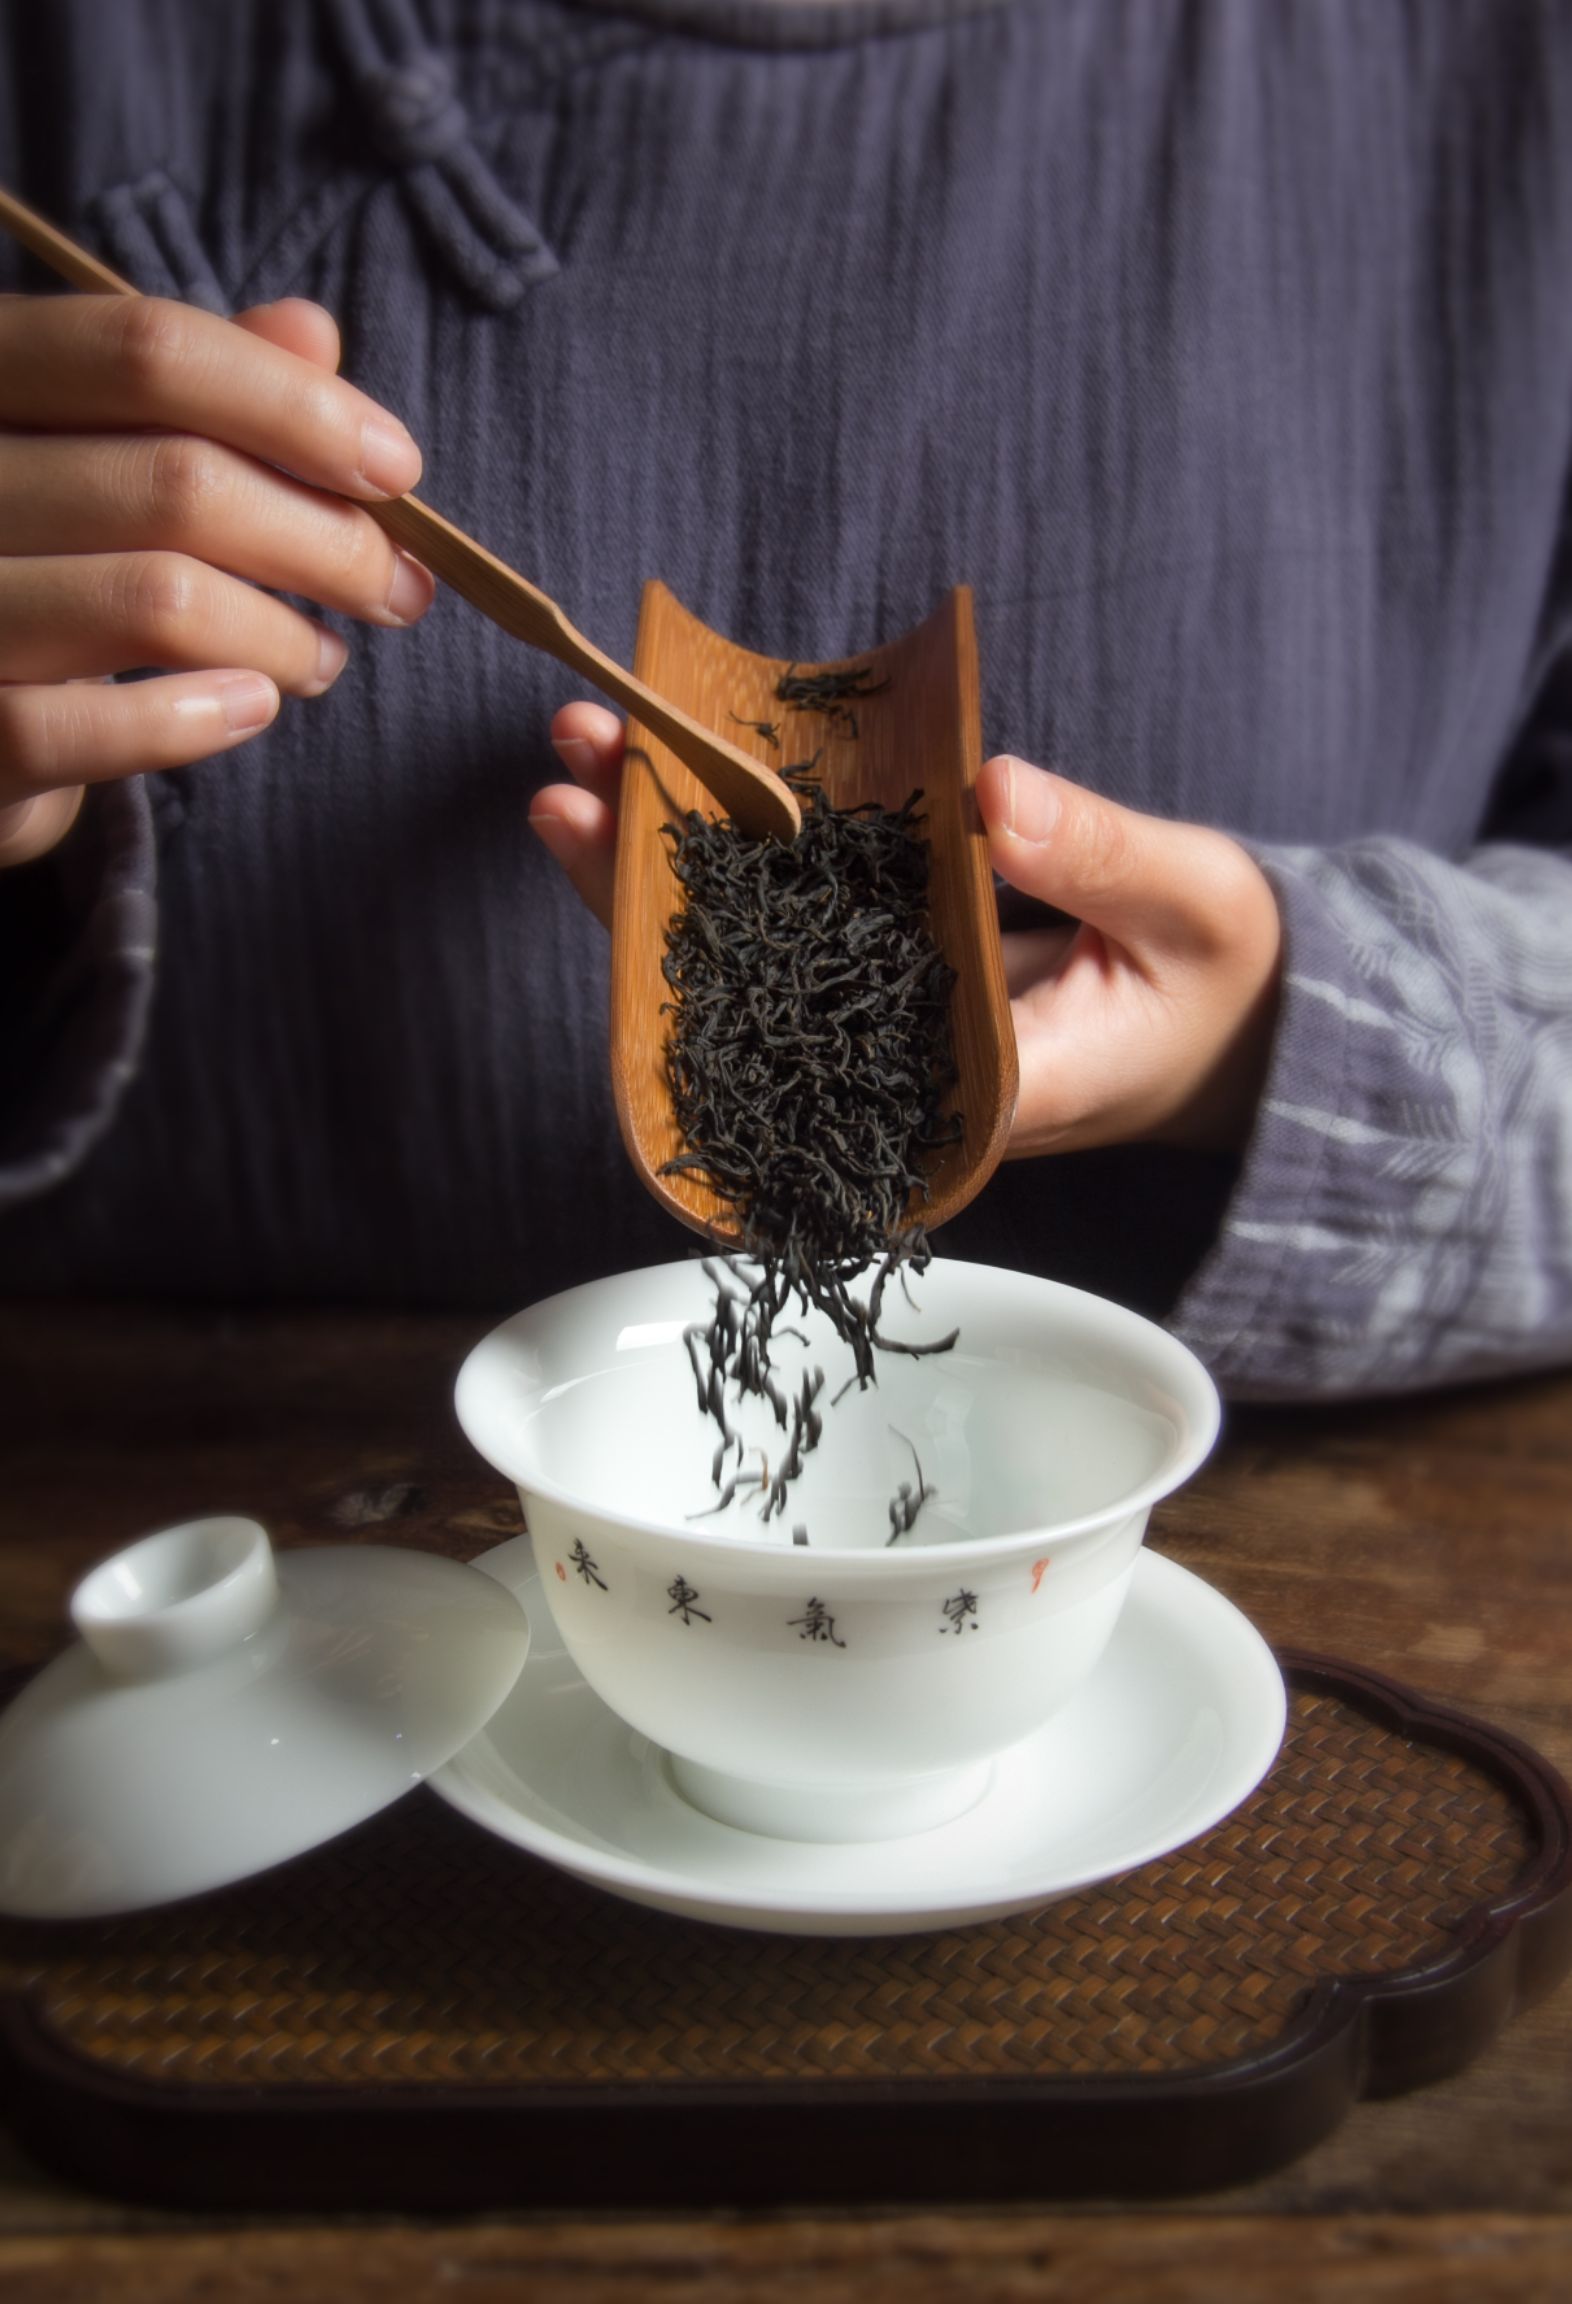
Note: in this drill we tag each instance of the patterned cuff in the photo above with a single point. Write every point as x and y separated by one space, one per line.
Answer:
78 999
1403 1215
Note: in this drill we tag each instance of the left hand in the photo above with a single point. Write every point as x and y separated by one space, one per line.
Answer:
1149 1018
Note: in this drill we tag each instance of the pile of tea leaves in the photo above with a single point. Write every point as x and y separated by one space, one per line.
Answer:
809 1060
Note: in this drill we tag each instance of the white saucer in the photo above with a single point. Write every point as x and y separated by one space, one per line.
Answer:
1181 1719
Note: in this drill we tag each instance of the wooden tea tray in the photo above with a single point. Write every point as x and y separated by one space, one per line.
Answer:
422 2019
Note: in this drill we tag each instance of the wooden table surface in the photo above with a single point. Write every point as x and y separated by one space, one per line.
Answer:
1432 1539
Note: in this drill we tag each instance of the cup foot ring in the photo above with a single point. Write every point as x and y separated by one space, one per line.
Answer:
830 1812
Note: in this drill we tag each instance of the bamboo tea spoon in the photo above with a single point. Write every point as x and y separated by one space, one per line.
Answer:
918 726
747 790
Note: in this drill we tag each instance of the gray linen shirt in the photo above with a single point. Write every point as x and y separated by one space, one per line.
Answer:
1225 349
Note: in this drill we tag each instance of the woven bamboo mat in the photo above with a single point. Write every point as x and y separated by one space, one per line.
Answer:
417 1958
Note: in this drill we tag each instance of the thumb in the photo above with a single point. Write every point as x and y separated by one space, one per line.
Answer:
1119 871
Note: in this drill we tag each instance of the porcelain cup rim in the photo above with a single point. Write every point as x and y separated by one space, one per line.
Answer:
1184 1375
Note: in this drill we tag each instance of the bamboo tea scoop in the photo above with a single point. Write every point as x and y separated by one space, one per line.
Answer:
918 728
748 790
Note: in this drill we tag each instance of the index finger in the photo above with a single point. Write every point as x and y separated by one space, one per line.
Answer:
125 363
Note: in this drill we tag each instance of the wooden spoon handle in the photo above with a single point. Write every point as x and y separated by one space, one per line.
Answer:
531 615
61 254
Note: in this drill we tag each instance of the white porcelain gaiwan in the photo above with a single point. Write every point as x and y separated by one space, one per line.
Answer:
847 1687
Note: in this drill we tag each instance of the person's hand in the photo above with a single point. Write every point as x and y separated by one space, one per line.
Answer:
1149 1015
162 473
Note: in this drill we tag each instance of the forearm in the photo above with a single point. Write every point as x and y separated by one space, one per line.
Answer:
1404 1213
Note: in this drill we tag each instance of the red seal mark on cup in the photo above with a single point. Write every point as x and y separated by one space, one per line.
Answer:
1039 1571
561 1571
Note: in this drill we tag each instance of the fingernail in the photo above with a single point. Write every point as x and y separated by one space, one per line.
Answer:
332 656
1033 802
389 459
247 700
575 753
411 592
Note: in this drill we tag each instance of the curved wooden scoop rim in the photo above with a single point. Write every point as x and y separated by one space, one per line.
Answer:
922 731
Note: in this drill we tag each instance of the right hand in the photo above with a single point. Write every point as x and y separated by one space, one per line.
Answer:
158 468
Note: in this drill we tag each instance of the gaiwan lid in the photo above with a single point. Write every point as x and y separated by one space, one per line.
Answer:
226 1708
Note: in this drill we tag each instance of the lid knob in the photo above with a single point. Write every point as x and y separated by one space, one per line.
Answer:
177 1599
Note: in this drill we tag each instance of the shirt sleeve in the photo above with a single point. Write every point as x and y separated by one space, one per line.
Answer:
77 951
1403 1215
